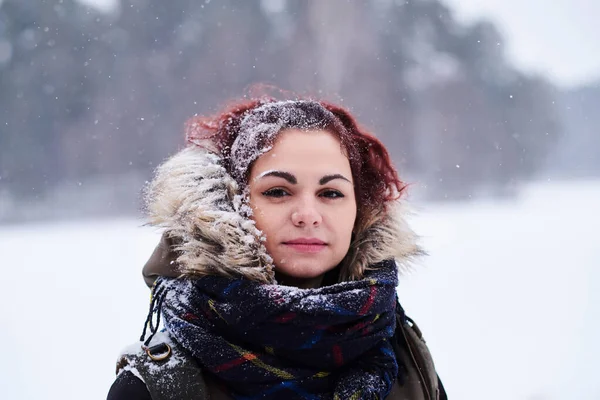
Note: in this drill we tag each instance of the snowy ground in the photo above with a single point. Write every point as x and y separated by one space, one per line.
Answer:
509 299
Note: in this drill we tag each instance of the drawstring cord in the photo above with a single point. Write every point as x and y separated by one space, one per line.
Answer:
156 301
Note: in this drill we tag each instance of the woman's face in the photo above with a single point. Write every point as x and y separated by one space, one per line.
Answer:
302 197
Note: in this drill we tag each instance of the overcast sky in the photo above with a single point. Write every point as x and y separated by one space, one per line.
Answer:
559 38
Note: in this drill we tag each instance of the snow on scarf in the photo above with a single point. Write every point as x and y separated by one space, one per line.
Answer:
266 341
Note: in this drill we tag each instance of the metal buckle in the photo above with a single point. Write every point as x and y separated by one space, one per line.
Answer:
160 352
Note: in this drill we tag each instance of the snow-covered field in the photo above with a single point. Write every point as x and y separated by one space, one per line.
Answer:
509 298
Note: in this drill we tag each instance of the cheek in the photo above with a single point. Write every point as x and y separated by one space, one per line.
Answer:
345 232
258 215
345 219
270 225
265 218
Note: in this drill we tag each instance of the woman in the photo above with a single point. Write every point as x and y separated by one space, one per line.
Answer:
276 276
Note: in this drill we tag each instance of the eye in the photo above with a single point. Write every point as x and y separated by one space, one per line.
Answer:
332 194
276 192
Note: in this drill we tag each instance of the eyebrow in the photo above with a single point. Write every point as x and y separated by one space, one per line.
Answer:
328 178
292 179
279 174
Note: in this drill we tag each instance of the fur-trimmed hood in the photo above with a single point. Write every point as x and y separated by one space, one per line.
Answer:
209 231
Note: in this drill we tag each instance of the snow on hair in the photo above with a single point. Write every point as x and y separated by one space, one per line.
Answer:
260 126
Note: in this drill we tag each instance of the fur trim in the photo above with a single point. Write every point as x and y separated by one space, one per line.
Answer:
197 202
386 236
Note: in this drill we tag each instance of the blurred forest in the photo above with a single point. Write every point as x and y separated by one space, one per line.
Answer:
91 101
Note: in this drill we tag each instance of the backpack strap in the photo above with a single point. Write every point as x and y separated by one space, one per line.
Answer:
168 371
411 349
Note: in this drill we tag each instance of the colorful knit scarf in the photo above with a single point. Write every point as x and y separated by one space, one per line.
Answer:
265 341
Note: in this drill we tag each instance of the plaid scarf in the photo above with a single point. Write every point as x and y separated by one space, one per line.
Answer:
265 341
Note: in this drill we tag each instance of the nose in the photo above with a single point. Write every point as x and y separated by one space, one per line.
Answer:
306 214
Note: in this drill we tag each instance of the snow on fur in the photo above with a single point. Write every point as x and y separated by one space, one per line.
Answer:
194 199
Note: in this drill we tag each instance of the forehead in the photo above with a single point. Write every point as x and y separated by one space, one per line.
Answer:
300 151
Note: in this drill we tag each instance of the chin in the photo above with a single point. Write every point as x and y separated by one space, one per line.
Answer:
303 269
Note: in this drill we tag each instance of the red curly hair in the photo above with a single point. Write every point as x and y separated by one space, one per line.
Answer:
376 180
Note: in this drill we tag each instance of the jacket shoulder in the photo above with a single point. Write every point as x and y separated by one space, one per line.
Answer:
165 369
419 378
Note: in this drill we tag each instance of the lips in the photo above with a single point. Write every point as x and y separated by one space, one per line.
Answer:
306 245
305 241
